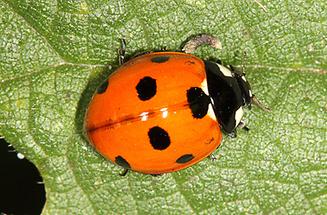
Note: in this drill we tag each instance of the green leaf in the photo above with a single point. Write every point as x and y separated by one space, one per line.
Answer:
53 54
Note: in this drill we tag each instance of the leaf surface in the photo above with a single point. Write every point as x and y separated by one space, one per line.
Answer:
53 55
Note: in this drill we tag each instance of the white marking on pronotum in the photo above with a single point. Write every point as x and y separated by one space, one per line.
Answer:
211 113
225 71
144 116
238 115
164 112
243 77
204 86
250 93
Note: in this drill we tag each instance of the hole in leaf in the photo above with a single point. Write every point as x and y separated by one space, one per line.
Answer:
21 186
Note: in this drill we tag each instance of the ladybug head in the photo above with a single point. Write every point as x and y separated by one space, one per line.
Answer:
229 92
244 87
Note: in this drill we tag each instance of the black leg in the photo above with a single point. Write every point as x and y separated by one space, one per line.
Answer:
140 54
156 175
232 68
124 172
212 157
246 128
121 51
233 134
243 126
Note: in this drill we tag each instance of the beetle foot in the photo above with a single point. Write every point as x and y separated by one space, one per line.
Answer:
124 172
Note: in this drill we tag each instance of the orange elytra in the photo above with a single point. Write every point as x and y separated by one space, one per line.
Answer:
164 111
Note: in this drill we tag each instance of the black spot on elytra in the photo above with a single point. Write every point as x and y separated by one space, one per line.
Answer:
122 162
146 88
103 87
160 59
185 158
198 102
159 138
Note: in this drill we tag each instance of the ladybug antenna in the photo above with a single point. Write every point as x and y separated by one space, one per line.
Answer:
202 39
257 103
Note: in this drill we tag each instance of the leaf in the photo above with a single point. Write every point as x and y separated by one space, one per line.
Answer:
55 53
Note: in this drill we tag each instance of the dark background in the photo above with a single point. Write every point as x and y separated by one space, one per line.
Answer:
21 186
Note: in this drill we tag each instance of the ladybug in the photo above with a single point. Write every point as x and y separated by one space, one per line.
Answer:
164 111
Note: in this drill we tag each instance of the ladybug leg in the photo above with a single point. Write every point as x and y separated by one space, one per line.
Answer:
141 53
243 126
156 175
124 172
202 39
233 134
163 49
212 157
121 51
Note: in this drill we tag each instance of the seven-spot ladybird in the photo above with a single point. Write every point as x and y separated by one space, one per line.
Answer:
164 111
